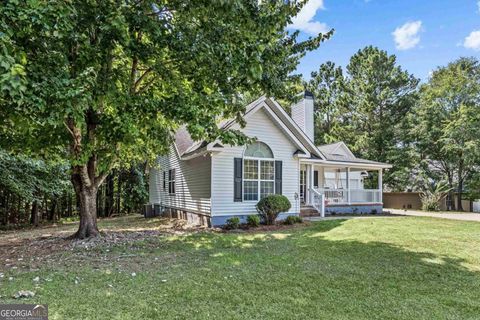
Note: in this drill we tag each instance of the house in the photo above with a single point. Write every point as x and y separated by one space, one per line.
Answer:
214 181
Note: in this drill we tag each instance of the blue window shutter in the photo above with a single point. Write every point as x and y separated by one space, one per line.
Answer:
278 177
237 179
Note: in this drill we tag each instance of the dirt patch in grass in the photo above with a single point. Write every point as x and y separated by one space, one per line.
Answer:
30 249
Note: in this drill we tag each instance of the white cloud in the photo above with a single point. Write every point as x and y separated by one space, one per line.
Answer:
473 41
304 19
407 36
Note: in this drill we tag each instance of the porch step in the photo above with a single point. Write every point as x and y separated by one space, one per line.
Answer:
308 211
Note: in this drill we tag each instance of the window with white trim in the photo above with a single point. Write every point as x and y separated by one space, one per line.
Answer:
258 172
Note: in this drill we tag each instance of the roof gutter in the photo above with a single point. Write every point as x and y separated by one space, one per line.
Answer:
358 165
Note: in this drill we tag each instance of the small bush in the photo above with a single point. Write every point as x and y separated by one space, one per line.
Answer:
433 194
271 206
292 220
374 211
430 204
232 223
253 221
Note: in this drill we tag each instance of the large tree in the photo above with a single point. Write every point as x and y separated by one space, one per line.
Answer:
103 83
447 123
327 86
377 96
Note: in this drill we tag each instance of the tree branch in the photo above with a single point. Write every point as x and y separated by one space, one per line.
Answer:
135 86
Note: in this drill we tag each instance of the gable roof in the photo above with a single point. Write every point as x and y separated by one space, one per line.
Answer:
187 147
339 152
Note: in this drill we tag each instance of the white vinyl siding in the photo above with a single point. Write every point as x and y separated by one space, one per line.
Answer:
298 114
259 125
191 182
303 115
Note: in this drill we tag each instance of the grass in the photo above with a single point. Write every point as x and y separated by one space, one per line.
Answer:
377 268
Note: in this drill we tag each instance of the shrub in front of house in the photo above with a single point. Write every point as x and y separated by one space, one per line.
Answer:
292 220
253 221
232 223
271 206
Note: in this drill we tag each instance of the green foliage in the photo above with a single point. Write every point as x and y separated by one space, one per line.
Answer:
232 223
293 220
271 206
380 94
366 108
328 86
32 179
433 194
447 123
135 191
253 221
125 75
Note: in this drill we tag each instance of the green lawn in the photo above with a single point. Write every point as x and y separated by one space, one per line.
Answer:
378 268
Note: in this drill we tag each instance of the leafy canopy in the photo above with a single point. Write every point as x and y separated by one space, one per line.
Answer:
447 122
366 107
328 86
106 81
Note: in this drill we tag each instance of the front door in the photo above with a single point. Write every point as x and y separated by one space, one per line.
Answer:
303 185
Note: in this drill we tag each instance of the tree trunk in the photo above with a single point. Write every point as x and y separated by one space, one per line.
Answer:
87 196
34 214
109 200
88 214
51 213
450 196
460 186
119 191
5 218
69 206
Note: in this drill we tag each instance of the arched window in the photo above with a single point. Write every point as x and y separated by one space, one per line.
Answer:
258 150
258 172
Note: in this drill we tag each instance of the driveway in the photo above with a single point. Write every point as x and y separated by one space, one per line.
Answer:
467 216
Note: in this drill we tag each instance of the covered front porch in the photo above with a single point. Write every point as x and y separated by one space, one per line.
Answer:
329 188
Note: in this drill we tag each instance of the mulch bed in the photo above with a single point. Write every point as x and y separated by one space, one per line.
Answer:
267 228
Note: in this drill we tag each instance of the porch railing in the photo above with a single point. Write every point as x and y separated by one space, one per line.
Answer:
365 195
345 196
317 200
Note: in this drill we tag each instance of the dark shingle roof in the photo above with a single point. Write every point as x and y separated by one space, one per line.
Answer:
184 141
328 150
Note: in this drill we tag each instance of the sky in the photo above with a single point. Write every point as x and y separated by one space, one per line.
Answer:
423 34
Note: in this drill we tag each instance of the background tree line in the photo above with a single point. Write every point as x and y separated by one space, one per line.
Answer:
429 131
34 192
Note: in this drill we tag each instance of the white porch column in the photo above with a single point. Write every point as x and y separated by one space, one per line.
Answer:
380 185
307 184
310 183
348 185
321 178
